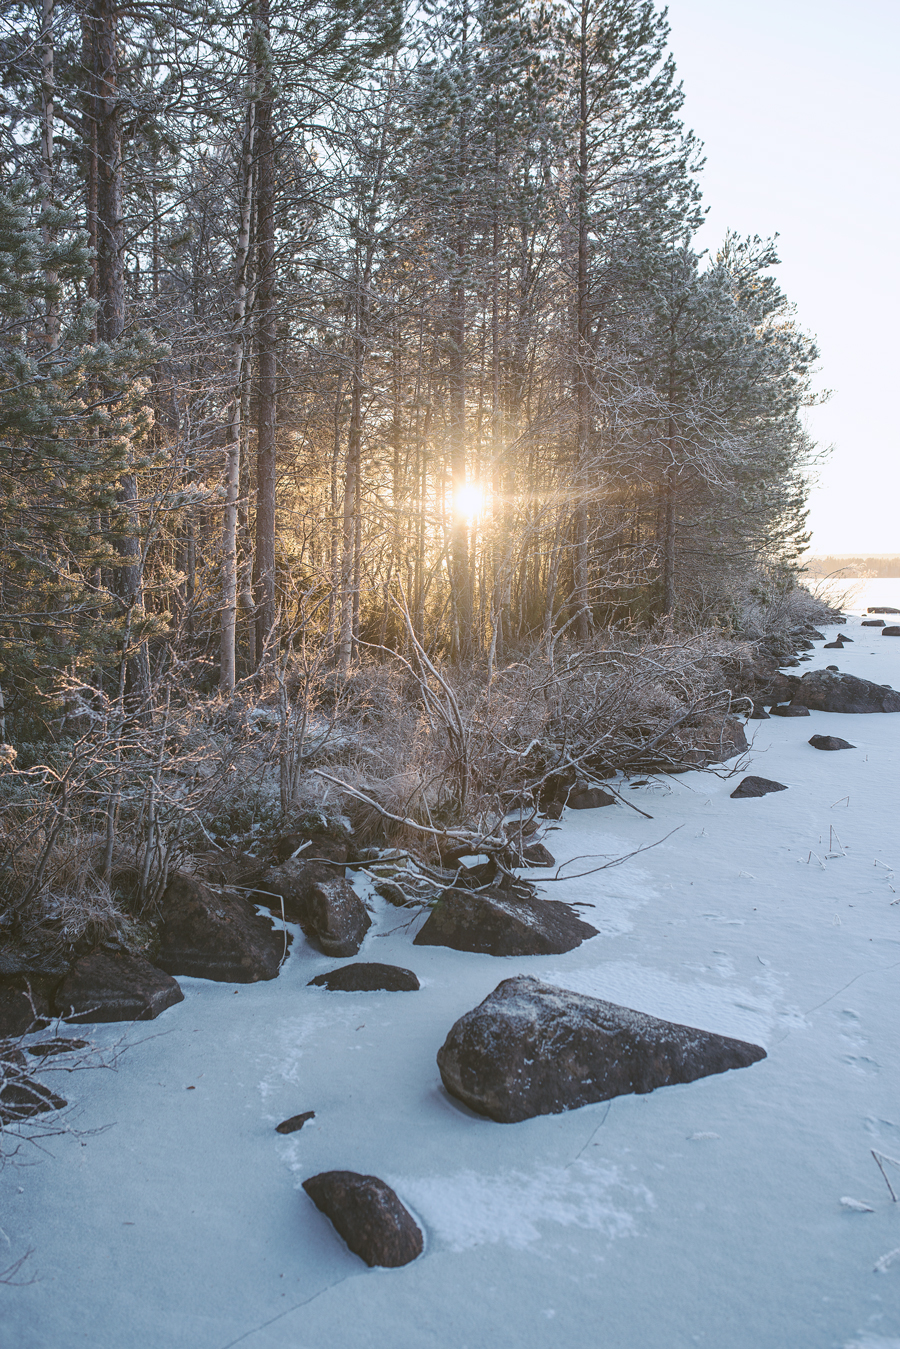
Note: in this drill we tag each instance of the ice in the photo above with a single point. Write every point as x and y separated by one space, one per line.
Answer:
741 1211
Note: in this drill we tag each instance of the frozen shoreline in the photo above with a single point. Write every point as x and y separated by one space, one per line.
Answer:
702 1214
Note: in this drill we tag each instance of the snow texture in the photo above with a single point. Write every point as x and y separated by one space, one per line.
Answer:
712 1214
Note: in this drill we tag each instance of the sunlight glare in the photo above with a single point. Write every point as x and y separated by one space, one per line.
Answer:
470 501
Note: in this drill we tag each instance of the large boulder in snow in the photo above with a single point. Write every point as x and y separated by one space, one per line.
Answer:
533 1049
368 976
368 1215
215 936
893 631
829 742
503 923
291 883
754 786
335 918
831 691
114 987
790 710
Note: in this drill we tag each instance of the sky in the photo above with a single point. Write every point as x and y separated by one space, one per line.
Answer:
798 106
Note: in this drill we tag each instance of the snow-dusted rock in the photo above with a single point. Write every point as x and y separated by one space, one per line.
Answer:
754 786
115 987
368 1215
499 923
215 936
831 691
335 918
757 712
590 798
368 976
291 883
533 1049
790 710
537 855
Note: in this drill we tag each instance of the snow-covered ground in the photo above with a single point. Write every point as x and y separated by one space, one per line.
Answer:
709 1214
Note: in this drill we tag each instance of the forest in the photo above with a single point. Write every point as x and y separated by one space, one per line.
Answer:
364 401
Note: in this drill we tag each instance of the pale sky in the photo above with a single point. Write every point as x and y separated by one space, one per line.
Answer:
797 104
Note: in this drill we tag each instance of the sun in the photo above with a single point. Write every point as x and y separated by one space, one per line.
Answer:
469 501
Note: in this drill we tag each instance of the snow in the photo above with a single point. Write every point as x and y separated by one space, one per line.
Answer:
732 1212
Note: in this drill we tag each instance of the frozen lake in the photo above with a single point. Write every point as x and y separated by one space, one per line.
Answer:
709 1214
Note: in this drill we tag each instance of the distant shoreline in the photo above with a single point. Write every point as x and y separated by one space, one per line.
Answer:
853 566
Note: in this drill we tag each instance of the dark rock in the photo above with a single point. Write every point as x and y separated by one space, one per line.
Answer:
803 644
790 710
831 667
42 969
23 1097
533 1049
890 632
121 987
829 742
215 936
791 661
831 691
502 924
590 798
392 892
58 1046
290 1126
368 1215
554 810
536 855
843 638
22 1007
833 646
367 977
872 623
292 883
815 634
881 609
753 786
335 918
758 712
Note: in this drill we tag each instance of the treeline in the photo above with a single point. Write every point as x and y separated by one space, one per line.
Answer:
325 319
841 565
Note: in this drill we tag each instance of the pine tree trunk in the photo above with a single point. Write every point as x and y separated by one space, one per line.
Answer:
111 297
48 90
264 562
580 564
227 655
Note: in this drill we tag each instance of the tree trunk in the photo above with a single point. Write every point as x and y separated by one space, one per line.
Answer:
227 661
264 561
111 297
580 564
48 89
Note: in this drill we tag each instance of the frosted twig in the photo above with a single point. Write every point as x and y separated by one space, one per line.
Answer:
882 1265
883 1157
